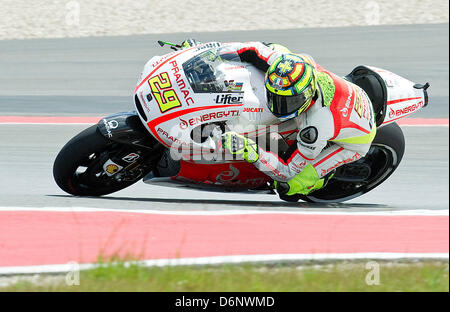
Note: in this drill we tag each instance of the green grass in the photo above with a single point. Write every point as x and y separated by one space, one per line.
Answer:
341 276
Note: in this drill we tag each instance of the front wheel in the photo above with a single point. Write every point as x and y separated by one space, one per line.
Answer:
79 168
357 178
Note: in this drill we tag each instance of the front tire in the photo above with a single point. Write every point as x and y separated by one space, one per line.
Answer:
78 168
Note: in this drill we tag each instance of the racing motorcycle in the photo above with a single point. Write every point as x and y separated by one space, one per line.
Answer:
185 100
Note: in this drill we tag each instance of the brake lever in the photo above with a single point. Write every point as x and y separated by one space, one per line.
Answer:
173 46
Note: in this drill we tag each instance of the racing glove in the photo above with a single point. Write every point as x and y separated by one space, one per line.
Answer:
304 183
237 144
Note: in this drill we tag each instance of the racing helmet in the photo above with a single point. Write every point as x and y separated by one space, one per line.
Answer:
290 86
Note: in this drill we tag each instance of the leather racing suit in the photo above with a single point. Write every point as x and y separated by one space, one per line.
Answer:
337 129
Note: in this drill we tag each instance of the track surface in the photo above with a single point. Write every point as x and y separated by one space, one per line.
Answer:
28 151
95 77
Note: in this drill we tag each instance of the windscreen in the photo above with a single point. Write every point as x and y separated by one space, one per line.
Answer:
205 71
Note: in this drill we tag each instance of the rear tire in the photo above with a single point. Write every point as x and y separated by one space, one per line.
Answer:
383 158
89 149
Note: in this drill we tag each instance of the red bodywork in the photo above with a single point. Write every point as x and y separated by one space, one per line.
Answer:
239 175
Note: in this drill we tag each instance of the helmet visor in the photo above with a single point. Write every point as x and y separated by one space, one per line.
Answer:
281 105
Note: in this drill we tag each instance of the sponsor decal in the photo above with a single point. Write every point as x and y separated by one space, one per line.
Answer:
162 59
131 157
234 67
344 110
278 83
229 99
165 134
207 117
298 167
309 135
253 109
230 178
181 83
307 146
113 124
361 106
111 167
231 86
208 46
229 175
110 125
409 109
274 171
391 113
340 163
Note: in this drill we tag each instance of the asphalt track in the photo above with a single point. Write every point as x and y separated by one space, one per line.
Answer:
95 77
28 151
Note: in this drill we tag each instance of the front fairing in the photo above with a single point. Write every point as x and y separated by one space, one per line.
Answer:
201 85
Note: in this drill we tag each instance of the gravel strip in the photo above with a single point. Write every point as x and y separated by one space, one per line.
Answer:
21 19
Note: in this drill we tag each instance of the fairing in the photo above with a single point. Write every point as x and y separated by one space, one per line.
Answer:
404 97
208 85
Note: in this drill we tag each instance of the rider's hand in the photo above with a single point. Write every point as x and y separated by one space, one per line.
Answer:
237 144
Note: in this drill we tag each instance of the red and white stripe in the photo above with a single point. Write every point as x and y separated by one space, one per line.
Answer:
45 239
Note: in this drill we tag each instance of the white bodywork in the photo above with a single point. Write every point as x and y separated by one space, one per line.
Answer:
402 98
245 108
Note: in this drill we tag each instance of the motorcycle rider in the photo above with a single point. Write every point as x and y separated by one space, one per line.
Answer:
336 123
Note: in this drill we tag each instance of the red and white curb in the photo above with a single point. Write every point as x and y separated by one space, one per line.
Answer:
38 240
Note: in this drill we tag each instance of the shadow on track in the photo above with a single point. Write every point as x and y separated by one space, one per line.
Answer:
226 202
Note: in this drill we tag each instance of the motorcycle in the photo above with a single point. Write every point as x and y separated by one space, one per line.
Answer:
186 99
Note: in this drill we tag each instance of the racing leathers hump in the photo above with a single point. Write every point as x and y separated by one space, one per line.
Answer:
337 129
262 55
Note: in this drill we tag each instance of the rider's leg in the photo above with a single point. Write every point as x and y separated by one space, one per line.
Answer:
315 175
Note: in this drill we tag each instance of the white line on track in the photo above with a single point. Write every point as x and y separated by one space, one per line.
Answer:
62 268
418 212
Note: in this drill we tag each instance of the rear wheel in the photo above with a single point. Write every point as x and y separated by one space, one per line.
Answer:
357 178
79 167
